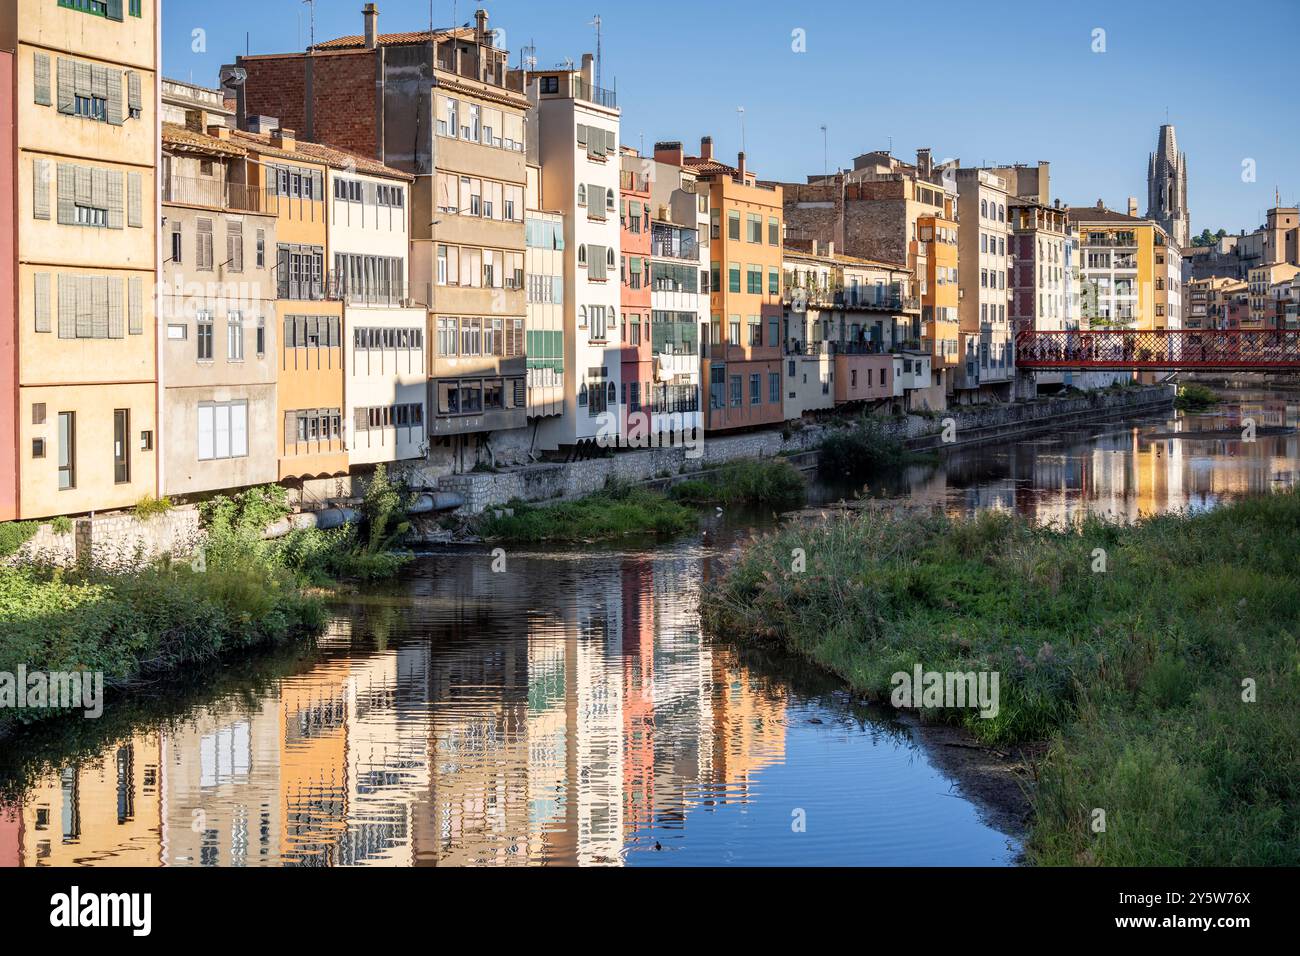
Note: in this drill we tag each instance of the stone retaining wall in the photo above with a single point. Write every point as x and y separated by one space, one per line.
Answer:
552 481
116 540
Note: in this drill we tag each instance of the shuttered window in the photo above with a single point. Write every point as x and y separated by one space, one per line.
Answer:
115 329
235 245
41 74
133 101
41 189
203 255
42 300
115 199
135 305
134 216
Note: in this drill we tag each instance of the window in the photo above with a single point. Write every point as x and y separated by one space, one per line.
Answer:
774 231
733 224
204 336
733 276
121 446
67 450
773 281
755 393
754 228
549 84
737 396
177 245
261 337
754 280
235 336
223 430
773 387
91 107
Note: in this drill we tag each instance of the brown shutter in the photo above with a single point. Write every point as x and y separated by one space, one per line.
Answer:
67 86
115 307
67 306
113 80
135 305
133 101
115 199
67 194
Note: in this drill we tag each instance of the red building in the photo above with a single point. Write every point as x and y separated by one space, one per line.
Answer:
634 297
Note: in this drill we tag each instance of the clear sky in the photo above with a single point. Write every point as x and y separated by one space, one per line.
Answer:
996 81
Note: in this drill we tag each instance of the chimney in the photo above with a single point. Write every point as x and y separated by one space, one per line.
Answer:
589 69
218 131
924 162
370 14
284 139
194 121
1133 206
706 148
670 153
481 25
830 249
740 166
814 247
260 124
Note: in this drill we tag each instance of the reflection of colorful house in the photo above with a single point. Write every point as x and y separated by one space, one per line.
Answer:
107 811
638 655
748 724
11 835
313 764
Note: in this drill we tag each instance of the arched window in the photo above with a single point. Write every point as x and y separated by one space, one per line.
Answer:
582 255
609 199
609 254
613 394
582 395
582 194
984 208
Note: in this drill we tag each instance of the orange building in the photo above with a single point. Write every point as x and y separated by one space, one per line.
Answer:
742 360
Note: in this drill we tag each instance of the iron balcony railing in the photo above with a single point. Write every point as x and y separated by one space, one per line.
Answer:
342 288
594 94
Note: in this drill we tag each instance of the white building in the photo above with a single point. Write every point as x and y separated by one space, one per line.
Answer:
988 355
386 360
544 285
573 132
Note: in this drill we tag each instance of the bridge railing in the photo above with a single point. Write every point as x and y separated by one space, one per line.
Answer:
1166 349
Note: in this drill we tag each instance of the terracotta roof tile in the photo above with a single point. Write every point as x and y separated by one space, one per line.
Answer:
389 39
330 156
180 137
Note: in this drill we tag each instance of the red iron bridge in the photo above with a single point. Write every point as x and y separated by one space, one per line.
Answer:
1160 350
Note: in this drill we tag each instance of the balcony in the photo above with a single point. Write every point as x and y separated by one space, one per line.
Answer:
212 192
583 90
340 288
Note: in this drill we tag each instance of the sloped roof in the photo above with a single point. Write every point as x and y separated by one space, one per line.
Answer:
330 156
1101 214
390 39
175 136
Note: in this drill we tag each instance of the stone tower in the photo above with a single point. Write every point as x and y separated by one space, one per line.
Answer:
1167 188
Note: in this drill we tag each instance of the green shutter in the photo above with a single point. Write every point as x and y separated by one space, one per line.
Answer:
115 10
133 90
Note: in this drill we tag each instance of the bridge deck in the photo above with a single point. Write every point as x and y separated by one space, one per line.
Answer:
1169 350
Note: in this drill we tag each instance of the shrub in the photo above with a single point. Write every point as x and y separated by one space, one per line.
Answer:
861 451
15 534
151 507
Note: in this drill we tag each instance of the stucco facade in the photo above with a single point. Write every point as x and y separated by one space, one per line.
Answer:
84 257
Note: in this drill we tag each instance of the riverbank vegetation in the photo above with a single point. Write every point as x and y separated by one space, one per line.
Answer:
613 512
1159 660
239 590
759 482
862 450
1195 398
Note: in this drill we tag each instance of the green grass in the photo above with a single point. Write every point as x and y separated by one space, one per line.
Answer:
1195 398
759 482
1133 675
611 513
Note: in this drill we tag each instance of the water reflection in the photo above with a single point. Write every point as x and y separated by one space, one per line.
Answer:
567 711
1128 469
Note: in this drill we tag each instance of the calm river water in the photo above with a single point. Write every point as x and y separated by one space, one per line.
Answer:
567 711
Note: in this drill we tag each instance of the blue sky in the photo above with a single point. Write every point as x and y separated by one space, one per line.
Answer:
1000 81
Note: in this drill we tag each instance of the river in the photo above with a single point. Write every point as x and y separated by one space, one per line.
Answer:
564 708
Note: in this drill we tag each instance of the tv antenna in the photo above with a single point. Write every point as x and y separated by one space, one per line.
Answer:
741 111
311 6
596 22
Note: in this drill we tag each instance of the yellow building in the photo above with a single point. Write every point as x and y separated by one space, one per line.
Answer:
78 153
1123 270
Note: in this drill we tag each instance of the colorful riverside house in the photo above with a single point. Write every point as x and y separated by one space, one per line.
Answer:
220 347
78 141
637 372
742 365
573 128
1120 259
847 324
888 210
544 328
440 106
298 180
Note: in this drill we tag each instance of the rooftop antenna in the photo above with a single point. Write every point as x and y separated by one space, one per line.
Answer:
596 22
311 6
741 111
430 16
826 153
